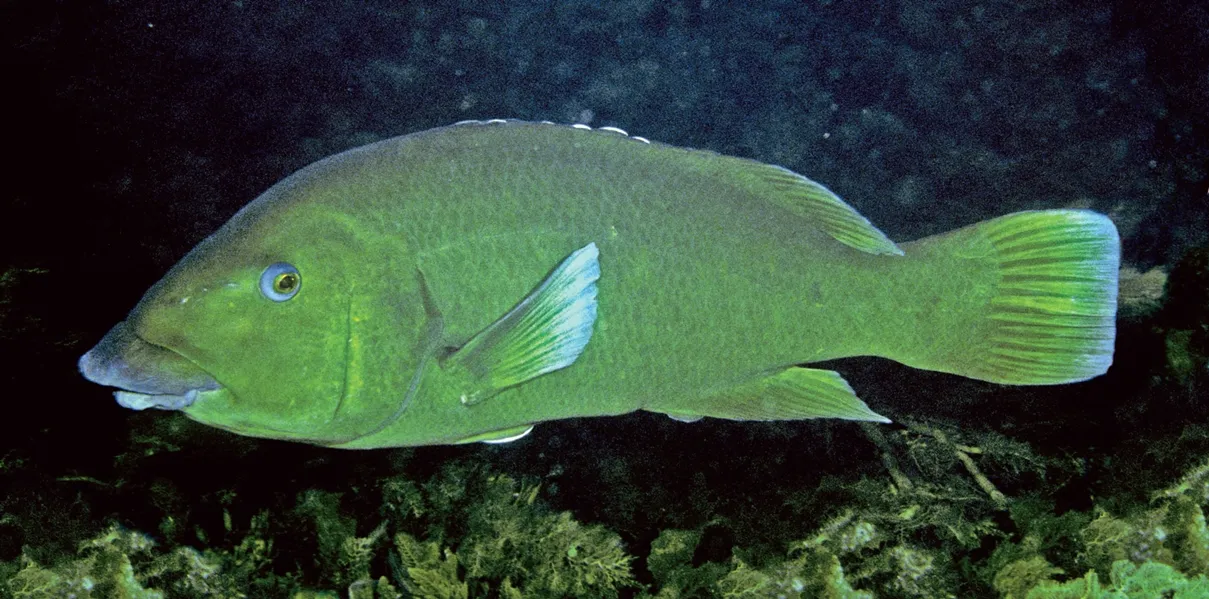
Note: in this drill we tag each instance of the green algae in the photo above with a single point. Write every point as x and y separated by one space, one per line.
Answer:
469 532
513 544
1149 580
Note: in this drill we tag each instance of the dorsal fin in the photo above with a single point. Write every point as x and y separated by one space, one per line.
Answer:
818 206
822 208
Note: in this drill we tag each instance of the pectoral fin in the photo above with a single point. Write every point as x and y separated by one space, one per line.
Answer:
792 394
546 331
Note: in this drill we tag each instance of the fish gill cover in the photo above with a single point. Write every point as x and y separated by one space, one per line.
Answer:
137 129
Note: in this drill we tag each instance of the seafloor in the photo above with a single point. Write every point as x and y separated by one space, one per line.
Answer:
134 129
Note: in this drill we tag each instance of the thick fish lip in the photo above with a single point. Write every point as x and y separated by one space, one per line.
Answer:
148 375
142 401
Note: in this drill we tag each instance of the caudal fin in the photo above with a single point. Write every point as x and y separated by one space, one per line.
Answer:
1052 318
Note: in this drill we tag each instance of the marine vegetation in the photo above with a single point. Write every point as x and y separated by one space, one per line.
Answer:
464 533
139 127
468 532
923 508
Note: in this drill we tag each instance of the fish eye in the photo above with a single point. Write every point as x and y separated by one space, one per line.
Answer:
280 281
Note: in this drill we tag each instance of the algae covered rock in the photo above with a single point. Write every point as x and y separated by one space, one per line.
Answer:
102 570
1128 581
514 544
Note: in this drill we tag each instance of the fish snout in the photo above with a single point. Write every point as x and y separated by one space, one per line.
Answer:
148 375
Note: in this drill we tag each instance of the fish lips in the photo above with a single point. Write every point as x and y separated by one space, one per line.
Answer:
149 376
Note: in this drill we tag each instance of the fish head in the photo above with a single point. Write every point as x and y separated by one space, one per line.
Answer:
248 332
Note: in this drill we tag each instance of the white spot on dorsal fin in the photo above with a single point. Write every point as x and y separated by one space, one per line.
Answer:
580 126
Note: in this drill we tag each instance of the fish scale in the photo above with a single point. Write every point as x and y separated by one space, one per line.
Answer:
464 283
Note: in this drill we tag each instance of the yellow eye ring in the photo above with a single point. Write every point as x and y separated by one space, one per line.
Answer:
280 281
285 282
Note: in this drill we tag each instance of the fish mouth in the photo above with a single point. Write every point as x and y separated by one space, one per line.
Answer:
147 375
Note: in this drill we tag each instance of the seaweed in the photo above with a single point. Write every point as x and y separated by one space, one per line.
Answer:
1127 581
512 541
943 520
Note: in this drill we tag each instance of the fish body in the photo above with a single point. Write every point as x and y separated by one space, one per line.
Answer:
464 283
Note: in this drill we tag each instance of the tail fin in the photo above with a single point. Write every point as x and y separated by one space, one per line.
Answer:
1052 318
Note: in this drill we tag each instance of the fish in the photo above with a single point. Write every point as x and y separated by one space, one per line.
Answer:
465 283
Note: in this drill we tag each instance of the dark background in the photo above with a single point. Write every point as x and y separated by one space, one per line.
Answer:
134 129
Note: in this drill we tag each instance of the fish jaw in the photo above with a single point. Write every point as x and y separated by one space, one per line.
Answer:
148 375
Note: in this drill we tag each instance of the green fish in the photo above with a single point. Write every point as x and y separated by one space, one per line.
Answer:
464 283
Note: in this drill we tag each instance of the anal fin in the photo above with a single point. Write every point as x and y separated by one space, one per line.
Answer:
792 394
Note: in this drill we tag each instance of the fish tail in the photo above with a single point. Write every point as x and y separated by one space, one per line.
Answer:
1049 314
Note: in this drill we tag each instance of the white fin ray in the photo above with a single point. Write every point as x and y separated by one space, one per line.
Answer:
546 331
